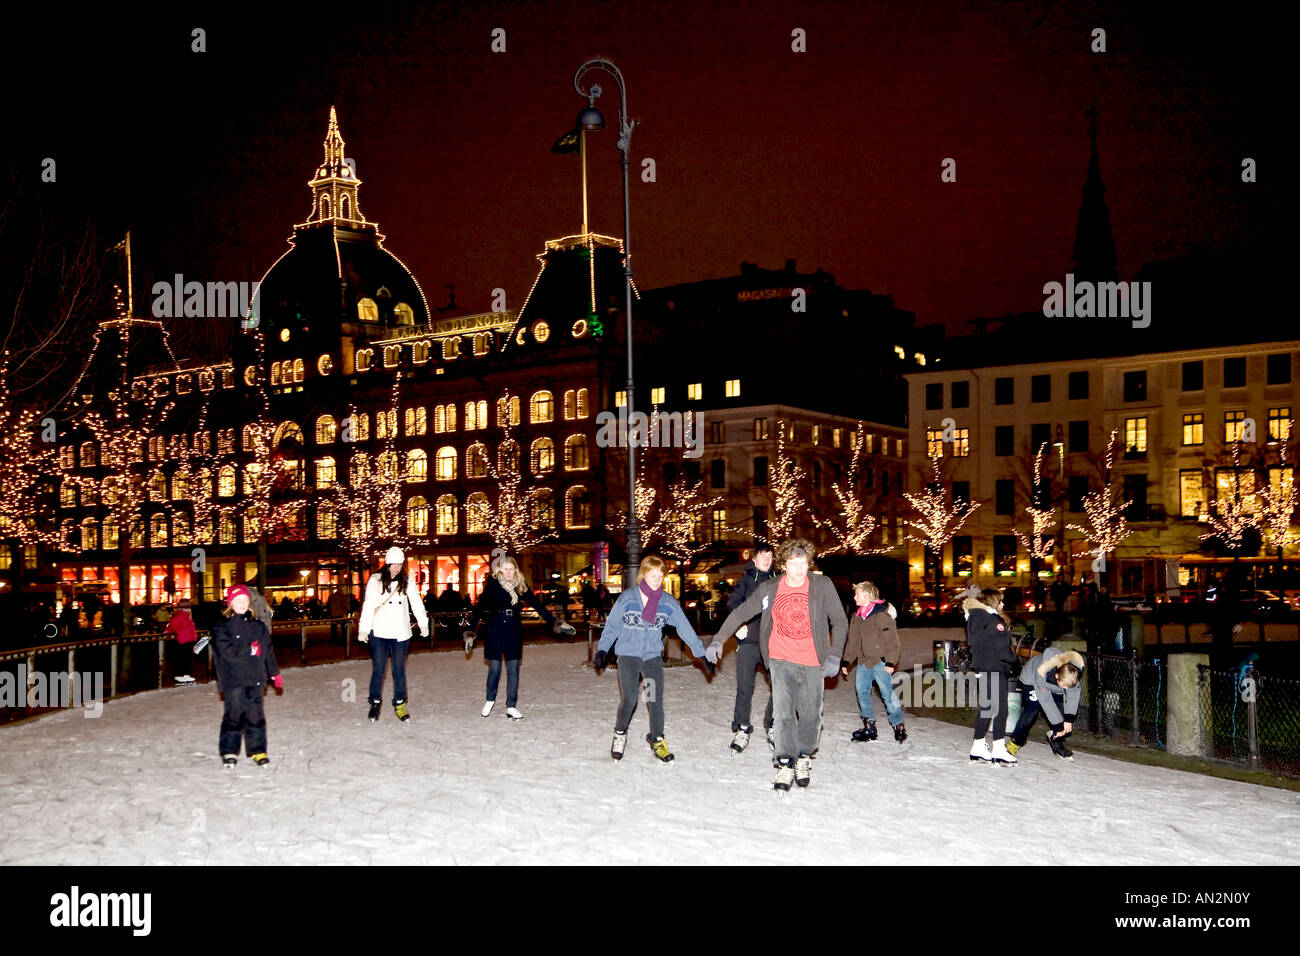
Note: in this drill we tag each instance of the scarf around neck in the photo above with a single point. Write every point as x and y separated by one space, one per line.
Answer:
651 602
865 610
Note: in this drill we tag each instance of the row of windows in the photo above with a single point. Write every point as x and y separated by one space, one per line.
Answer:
1277 372
1133 434
817 435
205 379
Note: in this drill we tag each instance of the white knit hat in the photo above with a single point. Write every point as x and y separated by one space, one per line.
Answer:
394 556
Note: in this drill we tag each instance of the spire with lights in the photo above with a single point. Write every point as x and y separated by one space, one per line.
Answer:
334 187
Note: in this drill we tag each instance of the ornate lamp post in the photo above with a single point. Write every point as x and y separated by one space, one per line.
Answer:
591 120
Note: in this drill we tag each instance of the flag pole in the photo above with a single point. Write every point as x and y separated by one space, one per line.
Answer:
130 291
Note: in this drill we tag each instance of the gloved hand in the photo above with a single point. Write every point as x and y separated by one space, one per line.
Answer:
598 662
468 637
713 653
278 681
562 627
831 666
742 632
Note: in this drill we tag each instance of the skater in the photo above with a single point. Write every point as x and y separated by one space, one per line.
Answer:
182 625
748 656
873 643
391 599
504 595
245 661
993 659
1044 678
636 624
801 636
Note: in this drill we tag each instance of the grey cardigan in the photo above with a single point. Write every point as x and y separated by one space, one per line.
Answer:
829 625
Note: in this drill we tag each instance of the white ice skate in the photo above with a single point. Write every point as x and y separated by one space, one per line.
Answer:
741 740
487 707
513 713
980 752
1001 755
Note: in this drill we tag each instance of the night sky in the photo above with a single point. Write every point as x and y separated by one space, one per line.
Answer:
831 157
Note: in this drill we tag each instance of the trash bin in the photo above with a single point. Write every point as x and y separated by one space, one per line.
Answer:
951 657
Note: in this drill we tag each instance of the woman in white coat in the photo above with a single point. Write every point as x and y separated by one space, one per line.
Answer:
391 599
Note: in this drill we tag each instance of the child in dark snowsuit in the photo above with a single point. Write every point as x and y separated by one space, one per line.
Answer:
245 661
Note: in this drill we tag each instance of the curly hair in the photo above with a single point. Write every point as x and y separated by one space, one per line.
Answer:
791 546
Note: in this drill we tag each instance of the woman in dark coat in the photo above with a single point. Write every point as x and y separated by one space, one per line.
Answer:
504 595
989 637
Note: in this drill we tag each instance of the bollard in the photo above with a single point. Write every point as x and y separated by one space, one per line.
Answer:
72 662
112 668
1134 724
347 640
1251 692
31 683
162 649
303 630
590 631
1186 688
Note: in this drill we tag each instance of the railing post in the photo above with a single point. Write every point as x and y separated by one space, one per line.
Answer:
1252 693
29 683
1135 728
162 647
347 639
112 668
1094 689
303 629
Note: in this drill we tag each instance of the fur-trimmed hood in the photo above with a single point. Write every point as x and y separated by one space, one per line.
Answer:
973 603
1054 657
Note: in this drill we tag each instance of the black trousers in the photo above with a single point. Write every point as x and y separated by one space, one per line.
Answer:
243 718
993 687
630 672
749 658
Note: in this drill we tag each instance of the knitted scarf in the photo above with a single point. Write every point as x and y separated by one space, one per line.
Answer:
651 602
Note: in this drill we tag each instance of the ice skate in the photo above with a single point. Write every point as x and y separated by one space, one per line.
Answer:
771 738
399 708
784 775
261 759
229 761
619 745
184 679
514 714
1012 747
979 751
487 707
201 645
868 731
660 748
1001 755
1059 748
741 739
374 710
900 733
803 770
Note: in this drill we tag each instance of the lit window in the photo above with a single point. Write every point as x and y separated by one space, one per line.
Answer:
1194 428
482 343
1135 436
695 391
920 359
620 399
835 437
541 456
420 352
733 388
447 515
541 331
226 481
359 469
575 453
900 352
326 431
367 310
582 403
1279 425
417 465
404 314
326 523
417 421
476 461
477 513
657 396
180 486
508 457
446 463
577 512
325 473
451 347
570 405
363 358
392 355
541 407
158 531
541 508
1233 425
417 517
816 434
324 365
512 407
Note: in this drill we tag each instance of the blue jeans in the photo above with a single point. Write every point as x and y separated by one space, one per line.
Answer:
864 678
512 680
381 649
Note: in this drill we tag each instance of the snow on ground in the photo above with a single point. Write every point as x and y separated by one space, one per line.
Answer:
143 785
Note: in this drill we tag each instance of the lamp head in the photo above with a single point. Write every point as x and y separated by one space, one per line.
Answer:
591 120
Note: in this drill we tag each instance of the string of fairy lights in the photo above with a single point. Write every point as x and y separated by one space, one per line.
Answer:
852 528
512 521
1105 525
1037 544
938 519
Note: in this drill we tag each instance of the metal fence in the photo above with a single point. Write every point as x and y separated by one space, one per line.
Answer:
1246 718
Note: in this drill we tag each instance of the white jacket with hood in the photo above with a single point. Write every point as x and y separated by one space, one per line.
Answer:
385 612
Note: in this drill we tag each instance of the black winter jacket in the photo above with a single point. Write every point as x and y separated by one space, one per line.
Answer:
243 652
752 579
989 639
505 633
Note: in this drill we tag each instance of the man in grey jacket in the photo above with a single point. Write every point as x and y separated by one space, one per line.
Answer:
1045 679
801 637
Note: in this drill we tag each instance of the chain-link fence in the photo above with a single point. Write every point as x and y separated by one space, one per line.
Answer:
1243 717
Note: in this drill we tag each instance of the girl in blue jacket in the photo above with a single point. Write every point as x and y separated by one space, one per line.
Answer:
636 623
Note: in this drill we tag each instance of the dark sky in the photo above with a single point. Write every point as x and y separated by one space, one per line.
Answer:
831 157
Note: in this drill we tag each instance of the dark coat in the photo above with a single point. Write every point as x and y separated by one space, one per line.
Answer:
752 579
989 639
872 639
234 640
505 631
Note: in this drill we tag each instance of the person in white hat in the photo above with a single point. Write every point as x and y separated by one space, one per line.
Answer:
390 601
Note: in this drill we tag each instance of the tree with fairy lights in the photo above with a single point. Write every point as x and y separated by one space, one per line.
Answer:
1277 503
1037 544
937 522
1105 525
788 499
511 521
27 483
681 519
1234 515
853 527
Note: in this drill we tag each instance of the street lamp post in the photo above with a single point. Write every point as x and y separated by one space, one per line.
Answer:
590 119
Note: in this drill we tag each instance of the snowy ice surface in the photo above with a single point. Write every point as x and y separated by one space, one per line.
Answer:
143 784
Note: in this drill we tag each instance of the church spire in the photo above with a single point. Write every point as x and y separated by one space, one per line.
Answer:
334 187
1094 246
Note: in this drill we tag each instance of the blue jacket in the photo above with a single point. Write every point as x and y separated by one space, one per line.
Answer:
634 637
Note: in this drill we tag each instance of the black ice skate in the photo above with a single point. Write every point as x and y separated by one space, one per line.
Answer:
374 710
1059 747
229 761
619 745
900 733
868 731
